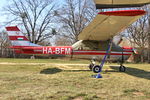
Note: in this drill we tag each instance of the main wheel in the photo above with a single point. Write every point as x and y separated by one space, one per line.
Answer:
91 66
122 68
97 69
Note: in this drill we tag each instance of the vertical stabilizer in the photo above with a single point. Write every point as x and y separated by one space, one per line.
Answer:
17 38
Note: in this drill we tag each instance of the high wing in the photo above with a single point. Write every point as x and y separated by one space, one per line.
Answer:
100 4
108 24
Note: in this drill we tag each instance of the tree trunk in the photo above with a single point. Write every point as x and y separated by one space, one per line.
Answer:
149 39
149 48
1 50
142 55
142 58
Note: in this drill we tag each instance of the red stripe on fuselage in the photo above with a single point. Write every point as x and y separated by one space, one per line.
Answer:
66 51
98 53
127 49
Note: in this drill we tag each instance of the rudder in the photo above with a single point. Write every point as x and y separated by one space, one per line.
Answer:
17 38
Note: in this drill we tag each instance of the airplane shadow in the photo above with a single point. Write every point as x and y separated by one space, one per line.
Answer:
57 70
77 71
134 72
51 71
130 71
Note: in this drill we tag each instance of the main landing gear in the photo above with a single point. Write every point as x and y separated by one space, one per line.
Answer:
122 68
93 67
97 68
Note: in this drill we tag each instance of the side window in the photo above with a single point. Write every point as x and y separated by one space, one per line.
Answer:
80 48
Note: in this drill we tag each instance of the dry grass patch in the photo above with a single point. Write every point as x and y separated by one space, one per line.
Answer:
69 81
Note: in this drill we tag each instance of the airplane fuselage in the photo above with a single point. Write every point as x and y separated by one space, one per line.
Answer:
78 51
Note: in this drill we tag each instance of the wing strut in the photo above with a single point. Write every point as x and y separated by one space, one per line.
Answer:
99 67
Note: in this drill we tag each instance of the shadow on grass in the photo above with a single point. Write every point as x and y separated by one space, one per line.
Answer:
76 70
134 72
57 70
51 71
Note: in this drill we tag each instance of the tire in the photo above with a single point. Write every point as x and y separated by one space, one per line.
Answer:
91 66
97 69
122 68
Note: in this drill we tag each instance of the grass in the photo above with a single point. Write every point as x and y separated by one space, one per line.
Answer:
45 79
10 60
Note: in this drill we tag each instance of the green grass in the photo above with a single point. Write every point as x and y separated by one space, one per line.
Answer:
10 60
45 79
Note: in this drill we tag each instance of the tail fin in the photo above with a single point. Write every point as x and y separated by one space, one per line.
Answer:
17 38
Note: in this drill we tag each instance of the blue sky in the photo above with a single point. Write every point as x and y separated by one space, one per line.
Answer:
3 3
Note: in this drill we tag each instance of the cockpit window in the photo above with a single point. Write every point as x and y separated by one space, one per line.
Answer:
85 45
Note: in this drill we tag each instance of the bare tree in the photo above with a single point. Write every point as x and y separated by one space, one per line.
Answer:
138 35
74 16
45 43
62 41
4 44
36 16
148 14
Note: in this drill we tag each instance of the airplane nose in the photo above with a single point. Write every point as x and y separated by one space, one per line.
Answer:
130 49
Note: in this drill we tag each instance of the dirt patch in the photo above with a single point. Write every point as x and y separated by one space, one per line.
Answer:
78 98
138 94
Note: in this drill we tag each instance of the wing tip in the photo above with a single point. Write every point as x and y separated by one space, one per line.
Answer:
108 6
124 13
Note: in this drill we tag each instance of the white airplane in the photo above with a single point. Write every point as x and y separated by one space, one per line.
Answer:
95 41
